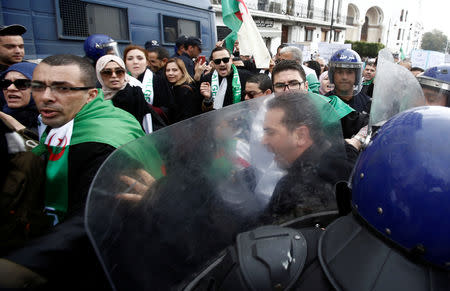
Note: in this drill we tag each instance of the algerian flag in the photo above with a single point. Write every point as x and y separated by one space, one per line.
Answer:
237 17
402 54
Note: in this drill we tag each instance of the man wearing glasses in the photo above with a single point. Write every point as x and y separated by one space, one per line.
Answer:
289 76
223 86
79 131
295 54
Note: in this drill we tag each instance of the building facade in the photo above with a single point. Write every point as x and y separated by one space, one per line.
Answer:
293 21
396 24
392 23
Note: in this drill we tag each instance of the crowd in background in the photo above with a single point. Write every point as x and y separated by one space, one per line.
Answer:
46 100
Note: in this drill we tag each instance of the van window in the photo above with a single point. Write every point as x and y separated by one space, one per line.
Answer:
175 27
80 19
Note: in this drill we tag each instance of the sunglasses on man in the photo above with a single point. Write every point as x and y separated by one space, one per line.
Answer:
20 84
224 60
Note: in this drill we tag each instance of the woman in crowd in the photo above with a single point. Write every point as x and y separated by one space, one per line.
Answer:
325 85
154 87
16 85
116 86
186 102
136 61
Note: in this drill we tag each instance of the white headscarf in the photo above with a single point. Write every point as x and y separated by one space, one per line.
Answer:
101 64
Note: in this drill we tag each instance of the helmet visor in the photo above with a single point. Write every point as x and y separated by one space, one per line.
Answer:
111 48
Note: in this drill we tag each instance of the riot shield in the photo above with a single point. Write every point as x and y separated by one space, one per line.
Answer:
164 205
396 89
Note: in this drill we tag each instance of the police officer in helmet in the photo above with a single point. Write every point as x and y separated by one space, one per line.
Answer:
435 83
346 74
98 45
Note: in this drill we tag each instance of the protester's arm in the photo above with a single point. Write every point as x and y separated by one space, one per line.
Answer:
199 69
11 122
313 83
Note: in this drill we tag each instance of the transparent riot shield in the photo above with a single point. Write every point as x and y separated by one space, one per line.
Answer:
396 89
163 206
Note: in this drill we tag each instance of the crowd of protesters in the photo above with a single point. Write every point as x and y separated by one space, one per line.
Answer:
89 106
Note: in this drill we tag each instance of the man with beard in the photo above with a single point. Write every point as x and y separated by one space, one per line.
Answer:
295 54
224 85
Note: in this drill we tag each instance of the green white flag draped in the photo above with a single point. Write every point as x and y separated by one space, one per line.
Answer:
237 17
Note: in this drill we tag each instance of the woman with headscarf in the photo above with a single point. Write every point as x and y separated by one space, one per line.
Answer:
186 102
116 86
19 111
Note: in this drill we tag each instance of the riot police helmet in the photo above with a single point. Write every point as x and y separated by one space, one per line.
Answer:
98 45
347 59
435 82
401 185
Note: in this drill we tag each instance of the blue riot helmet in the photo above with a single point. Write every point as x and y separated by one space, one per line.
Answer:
401 184
98 45
435 82
347 59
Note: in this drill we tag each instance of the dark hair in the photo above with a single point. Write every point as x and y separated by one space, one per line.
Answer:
263 81
218 49
298 110
87 71
288 65
283 45
160 51
134 47
417 69
315 66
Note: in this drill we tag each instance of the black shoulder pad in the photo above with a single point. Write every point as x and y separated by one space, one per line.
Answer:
271 257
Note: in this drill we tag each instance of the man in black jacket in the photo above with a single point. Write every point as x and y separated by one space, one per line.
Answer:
294 132
223 86
192 49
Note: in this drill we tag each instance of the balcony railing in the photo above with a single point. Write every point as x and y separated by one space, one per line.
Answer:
302 11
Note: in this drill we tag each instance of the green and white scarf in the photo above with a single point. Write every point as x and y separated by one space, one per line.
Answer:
98 121
146 85
147 88
218 94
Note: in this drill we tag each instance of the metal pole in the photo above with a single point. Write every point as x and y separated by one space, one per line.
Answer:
389 29
332 19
